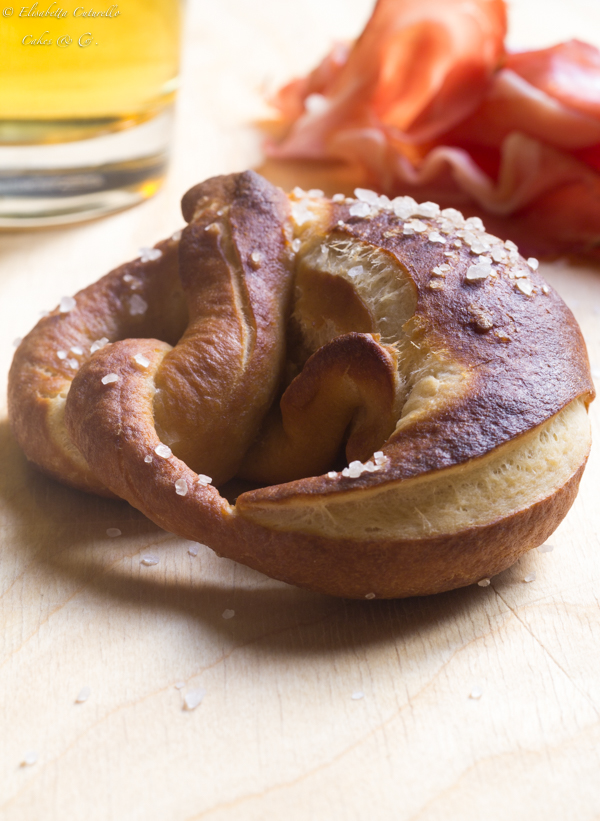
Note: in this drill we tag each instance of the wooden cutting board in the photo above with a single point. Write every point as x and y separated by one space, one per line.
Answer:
314 708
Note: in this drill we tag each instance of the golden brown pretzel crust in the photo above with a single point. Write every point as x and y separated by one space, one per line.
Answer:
472 385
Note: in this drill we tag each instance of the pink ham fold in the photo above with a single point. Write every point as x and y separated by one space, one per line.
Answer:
428 102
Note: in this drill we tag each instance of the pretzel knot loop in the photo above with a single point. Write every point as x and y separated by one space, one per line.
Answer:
394 398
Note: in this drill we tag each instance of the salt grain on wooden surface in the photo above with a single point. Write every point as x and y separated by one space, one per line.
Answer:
83 695
193 698
228 614
149 560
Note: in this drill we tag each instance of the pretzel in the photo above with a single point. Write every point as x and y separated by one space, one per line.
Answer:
392 401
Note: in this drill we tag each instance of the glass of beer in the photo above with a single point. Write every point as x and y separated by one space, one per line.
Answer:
86 106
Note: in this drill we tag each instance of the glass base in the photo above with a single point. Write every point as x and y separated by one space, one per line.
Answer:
55 184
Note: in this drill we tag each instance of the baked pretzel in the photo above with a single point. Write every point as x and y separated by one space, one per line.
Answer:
399 395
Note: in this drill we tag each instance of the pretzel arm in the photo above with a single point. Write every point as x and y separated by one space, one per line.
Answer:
347 389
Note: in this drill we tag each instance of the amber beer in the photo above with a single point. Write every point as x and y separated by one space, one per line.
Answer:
77 71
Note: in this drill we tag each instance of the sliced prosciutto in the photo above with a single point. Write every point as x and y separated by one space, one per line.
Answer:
428 102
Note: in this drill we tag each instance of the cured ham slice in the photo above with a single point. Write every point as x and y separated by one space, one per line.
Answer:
428 102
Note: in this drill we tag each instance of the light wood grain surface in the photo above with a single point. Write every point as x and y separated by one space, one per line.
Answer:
280 733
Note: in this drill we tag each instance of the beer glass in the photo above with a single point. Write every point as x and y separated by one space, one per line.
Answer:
86 105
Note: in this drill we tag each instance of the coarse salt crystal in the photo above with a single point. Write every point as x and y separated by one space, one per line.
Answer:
380 458
468 236
30 758
418 226
148 459
150 254
83 695
533 263
365 195
436 285
193 698
475 224
530 577
296 243
354 469
404 207
110 378
435 236
228 614
127 277
457 243
298 192
332 474
113 532
255 259
315 193
478 247
453 215
484 583
67 303
360 209
355 271
301 213
525 286
481 270
181 487
370 596
408 230
498 254
427 209
476 693
61 354
546 548
176 236
149 560
99 343
357 695
77 350
193 550
163 450
73 363
204 480
545 289
511 245
338 198
137 305
141 360
441 270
